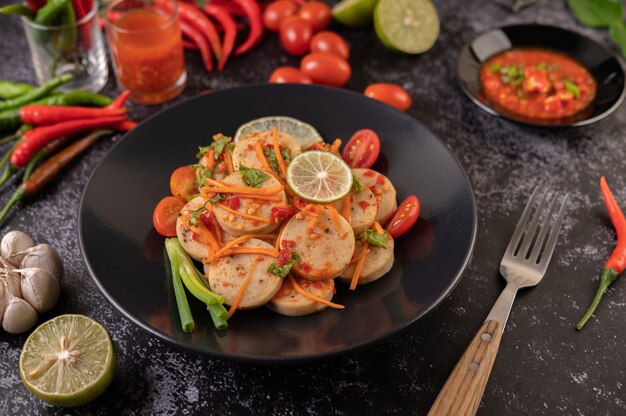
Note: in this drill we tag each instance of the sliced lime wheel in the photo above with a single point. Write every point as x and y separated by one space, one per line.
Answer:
354 13
408 26
304 133
319 177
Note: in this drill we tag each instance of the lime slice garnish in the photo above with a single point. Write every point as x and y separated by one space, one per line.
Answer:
319 176
304 133
409 26
354 13
68 361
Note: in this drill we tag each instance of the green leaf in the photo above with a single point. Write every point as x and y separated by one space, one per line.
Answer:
270 155
618 35
217 198
218 146
194 218
573 88
283 271
252 177
202 150
372 237
357 188
597 13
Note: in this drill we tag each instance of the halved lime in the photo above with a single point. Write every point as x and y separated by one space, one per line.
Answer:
319 177
304 133
354 13
68 361
409 26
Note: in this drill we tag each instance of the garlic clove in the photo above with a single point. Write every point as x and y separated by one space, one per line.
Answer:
39 288
19 316
4 297
43 256
12 243
13 281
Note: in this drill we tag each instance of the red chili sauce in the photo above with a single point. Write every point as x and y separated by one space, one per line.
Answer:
537 83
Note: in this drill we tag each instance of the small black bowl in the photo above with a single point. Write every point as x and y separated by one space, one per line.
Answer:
601 62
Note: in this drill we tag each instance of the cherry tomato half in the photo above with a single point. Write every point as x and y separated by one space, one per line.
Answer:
391 94
183 182
362 149
326 68
165 215
331 42
295 35
404 217
276 12
317 13
289 75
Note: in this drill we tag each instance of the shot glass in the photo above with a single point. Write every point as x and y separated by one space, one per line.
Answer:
146 45
75 48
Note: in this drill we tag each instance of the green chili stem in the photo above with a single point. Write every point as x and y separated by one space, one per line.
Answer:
32 163
18 195
7 155
607 277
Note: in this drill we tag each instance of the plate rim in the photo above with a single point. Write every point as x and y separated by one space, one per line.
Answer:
254 359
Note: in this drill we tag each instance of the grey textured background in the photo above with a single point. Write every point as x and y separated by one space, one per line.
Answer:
544 366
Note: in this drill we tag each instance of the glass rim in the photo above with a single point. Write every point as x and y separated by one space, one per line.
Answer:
110 24
86 18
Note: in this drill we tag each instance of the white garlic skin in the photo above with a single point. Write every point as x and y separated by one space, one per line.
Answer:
39 288
43 256
19 316
12 243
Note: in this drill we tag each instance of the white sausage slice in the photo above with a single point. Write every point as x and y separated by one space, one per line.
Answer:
377 263
194 248
289 302
245 151
227 274
363 208
383 190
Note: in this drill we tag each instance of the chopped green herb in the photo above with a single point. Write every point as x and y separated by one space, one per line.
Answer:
194 218
283 271
230 147
357 188
270 155
372 237
217 198
494 68
202 150
218 146
252 177
573 88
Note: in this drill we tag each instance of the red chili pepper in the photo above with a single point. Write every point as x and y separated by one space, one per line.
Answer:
283 258
232 8
282 213
207 219
36 4
617 261
81 9
38 137
189 44
300 203
364 205
230 31
49 114
201 42
120 100
287 243
233 203
255 33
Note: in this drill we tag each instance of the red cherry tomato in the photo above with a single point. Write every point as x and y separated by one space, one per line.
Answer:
404 217
276 12
295 35
391 94
183 182
330 42
362 149
165 215
326 68
289 75
317 13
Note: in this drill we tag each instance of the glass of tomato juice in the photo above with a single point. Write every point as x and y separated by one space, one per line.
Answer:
146 45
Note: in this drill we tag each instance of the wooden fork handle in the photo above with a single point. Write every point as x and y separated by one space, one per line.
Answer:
464 388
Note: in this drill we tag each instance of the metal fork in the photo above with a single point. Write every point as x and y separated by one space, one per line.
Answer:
523 265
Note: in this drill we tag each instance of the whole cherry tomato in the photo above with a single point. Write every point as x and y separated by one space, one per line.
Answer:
295 35
326 68
316 12
183 182
404 217
290 75
362 149
331 42
165 215
276 12
391 94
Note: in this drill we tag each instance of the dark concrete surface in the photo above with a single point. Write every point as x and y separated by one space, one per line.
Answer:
545 367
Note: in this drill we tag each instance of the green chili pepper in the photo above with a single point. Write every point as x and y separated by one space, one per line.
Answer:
10 89
64 41
35 94
48 13
18 9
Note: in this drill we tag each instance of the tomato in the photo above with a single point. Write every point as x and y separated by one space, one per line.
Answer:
276 12
326 68
295 35
165 215
362 149
317 13
183 182
391 94
330 42
404 217
290 75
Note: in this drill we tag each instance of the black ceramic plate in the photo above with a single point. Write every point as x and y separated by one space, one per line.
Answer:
602 64
125 255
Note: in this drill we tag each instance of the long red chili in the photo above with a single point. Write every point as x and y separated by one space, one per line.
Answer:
255 33
189 44
617 261
230 7
38 137
120 100
50 114
230 31
190 32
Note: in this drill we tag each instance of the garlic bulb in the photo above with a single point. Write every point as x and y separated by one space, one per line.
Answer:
12 243
19 316
39 288
43 256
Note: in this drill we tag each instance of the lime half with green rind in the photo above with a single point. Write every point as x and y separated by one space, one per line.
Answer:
354 13
407 26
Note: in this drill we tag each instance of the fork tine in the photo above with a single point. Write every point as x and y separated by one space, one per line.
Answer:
532 228
543 230
554 233
521 224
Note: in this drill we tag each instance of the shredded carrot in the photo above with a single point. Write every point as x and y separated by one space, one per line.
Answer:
244 215
248 250
241 291
334 216
262 197
243 238
215 183
286 188
205 232
258 147
334 148
345 212
279 156
210 159
310 209
271 190
378 228
311 296
229 161
217 228
357 258
359 267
